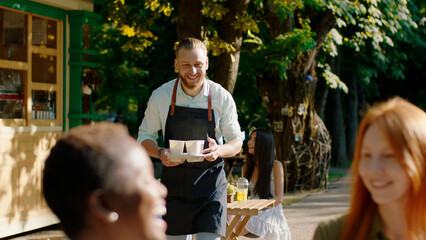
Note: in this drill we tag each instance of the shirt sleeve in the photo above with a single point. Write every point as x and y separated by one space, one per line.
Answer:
151 122
228 123
320 232
329 230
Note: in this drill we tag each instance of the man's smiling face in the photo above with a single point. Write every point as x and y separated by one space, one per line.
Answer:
192 65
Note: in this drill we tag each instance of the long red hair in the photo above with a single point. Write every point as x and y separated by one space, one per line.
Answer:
404 127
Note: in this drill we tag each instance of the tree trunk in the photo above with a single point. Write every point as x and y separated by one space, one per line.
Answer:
321 98
226 68
276 25
351 114
302 142
335 124
189 23
335 120
362 102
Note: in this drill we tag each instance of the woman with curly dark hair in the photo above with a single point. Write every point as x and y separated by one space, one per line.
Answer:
99 182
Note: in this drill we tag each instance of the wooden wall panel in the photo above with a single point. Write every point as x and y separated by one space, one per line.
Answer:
29 180
22 156
8 193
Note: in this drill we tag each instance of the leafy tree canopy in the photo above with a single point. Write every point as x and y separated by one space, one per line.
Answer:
137 38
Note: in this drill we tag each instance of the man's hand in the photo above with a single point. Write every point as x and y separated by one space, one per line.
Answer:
165 160
211 153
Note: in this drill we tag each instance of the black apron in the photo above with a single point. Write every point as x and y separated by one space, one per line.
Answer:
196 199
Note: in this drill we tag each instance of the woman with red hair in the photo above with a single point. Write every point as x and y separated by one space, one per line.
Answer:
388 177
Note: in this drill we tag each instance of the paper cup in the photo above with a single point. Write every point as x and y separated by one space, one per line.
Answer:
194 147
176 146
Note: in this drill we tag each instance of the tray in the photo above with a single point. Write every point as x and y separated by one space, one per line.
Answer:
189 158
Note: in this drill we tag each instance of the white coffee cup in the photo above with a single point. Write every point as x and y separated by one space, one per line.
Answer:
176 146
194 147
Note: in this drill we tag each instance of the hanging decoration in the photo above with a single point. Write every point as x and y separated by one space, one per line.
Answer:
278 126
91 79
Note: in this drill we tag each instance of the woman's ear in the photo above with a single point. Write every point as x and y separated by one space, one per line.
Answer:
100 209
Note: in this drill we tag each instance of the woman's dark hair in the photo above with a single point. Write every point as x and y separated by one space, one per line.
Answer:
86 159
264 156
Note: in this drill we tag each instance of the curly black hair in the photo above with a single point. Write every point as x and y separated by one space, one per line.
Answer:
82 161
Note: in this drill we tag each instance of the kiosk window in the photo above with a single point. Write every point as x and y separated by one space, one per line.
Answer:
11 93
44 33
30 69
44 105
44 68
13 30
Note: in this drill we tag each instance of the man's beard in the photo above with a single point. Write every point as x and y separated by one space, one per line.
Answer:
190 84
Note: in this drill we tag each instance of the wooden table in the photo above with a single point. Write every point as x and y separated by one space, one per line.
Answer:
246 208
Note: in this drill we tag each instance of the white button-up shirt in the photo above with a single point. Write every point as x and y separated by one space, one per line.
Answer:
223 105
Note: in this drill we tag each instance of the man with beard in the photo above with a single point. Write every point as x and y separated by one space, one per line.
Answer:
192 107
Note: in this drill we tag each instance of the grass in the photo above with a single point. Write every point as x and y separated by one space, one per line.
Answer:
298 195
335 176
288 202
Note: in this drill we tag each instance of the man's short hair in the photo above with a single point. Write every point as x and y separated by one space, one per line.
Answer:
190 43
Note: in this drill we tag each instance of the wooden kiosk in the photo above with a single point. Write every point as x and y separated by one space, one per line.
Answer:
44 49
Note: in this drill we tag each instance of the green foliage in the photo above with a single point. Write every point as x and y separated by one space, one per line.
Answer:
286 8
136 46
372 29
126 18
332 80
333 40
246 23
284 49
400 72
133 33
214 9
217 46
251 111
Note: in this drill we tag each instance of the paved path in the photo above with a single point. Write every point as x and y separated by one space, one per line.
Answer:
302 216
311 208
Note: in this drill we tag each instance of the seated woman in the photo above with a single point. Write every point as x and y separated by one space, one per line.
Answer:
266 181
388 177
99 182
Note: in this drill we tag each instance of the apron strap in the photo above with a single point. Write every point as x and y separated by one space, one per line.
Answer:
172 110
173 105
210 106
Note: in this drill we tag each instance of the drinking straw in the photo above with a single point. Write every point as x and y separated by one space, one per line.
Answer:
242 174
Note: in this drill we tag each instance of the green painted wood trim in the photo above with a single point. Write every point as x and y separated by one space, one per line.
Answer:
75 95
82 115
90 64
83 64
76 63
99 2
83 51
90 52
81 17
64 81
35 8
76 71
